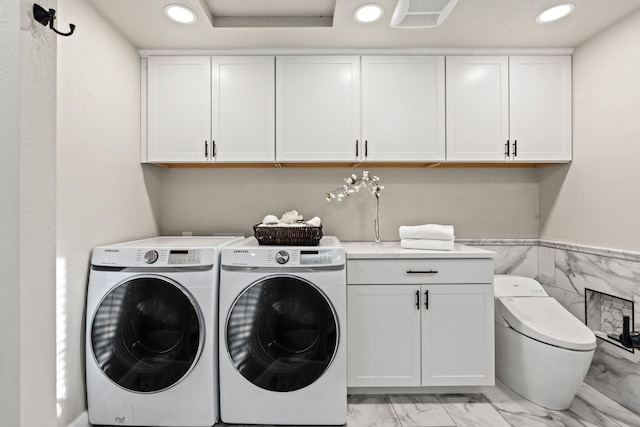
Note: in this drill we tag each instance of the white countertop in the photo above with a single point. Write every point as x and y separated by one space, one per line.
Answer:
367 250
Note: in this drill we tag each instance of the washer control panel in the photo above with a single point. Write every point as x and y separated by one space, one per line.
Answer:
282 257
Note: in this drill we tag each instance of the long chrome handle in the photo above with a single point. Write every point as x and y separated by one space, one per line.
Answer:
422 272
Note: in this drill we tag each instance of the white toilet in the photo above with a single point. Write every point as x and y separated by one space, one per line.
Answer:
543 352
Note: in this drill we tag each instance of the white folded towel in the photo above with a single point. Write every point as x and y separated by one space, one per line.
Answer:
427 231
434 245
314 222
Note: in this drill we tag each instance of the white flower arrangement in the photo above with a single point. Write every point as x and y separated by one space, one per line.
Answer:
353 184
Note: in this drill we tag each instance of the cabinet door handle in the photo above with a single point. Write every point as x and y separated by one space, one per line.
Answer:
422 272
213 148
515 148
206 149
356 149
418 300
365 148
426 299
506 148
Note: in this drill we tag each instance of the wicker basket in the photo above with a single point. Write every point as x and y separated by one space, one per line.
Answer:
288 236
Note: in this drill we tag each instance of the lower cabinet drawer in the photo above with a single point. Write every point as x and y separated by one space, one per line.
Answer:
419 271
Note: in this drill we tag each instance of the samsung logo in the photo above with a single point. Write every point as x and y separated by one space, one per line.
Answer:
240 251
112 250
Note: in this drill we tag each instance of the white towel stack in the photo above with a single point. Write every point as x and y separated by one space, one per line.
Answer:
434 237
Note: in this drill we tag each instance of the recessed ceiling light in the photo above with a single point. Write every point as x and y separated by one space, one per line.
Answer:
368 13
181 14
554 13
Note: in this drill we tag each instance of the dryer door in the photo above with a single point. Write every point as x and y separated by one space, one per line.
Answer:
147 333
282 333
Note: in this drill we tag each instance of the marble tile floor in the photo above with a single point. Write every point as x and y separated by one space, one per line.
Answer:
496 407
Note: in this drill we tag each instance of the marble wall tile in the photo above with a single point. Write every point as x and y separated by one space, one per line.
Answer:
546 265
423 410
613 410
615 377
577 271
516 260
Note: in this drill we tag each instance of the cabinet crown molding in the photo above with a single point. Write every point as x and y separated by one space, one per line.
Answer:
144 53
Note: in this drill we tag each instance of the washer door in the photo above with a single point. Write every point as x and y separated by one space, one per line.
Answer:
147 333
282 333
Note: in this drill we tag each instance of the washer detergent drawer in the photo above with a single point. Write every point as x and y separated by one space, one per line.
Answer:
419 271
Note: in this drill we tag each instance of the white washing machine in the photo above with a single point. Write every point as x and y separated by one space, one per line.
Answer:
283 334
151 332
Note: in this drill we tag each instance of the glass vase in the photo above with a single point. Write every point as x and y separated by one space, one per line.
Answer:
376 223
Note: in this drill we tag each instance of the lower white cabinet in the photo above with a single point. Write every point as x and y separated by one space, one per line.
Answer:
419 322
420 335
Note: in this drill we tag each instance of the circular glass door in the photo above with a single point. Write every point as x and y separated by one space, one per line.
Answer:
282 333
147 334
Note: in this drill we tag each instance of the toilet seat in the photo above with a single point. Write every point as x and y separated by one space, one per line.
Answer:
545 320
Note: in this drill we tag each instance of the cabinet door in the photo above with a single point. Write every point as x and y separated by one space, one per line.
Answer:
383 324
403 108
317 108
477 108
243 108
457 335
179 109
540 103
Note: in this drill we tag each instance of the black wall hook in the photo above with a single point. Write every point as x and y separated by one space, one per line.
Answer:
47 17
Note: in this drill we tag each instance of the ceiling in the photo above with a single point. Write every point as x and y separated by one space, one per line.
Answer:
471 24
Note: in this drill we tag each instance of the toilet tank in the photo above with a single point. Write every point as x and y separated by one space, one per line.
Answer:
505 285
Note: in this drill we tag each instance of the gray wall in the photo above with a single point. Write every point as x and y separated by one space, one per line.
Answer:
596 200
104 195
10 212
479 202
27 218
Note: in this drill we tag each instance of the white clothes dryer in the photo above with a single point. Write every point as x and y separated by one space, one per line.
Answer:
151 332
283 334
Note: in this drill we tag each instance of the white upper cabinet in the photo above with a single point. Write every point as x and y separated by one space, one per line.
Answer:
179 109
477 108
540 104
317 108
352 109
509 109
204 109
403 108
243 103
